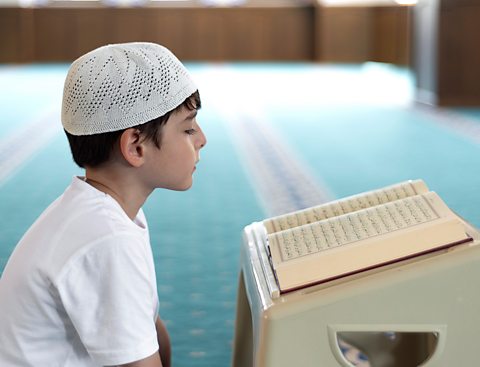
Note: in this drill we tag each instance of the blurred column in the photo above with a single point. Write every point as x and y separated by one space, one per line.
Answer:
446 56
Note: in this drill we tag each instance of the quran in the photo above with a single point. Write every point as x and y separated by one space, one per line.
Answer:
359 233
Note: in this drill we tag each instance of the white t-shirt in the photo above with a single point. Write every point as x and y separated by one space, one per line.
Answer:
80 287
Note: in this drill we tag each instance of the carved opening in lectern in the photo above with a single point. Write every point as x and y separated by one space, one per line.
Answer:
388 349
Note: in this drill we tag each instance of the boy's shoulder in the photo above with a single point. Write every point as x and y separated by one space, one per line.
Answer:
85 206
80 216
82 224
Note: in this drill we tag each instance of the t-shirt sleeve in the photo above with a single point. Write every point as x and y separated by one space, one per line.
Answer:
110 297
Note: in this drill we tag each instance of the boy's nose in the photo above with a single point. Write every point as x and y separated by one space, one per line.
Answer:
202 140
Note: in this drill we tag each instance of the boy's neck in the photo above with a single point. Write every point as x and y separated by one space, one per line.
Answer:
125 191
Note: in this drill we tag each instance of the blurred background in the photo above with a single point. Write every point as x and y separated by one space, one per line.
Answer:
303 102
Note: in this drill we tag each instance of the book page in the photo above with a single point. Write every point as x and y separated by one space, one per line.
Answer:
356 226
348 205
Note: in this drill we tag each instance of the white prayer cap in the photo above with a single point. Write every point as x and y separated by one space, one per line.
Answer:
118 86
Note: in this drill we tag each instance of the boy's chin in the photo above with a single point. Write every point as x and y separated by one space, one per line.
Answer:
183 188
180 187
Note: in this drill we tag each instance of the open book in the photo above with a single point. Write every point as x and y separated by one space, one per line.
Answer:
359 233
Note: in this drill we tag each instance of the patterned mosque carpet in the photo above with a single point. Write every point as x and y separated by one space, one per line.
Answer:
280 137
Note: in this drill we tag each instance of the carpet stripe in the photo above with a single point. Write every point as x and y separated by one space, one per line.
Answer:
465 126
17 148
282 181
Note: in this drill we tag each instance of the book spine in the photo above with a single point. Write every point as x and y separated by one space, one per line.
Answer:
263 250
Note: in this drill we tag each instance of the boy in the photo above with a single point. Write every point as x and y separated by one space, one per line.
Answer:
80 287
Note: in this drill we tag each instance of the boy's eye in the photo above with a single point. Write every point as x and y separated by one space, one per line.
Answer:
191 131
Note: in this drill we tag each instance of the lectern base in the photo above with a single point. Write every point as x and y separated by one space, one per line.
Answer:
431 303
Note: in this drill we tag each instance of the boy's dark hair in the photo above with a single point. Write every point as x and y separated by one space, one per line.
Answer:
93 150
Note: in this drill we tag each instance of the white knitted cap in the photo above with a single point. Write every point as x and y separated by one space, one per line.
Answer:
122 85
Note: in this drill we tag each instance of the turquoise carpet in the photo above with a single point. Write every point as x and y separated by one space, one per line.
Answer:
344 129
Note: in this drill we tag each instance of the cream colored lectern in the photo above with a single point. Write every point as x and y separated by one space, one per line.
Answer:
430 305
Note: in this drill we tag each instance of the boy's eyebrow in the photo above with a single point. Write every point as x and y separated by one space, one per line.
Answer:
191 115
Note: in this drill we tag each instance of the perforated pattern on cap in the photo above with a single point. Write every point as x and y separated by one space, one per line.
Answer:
122 85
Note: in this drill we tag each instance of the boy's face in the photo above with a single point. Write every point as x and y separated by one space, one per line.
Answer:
172 166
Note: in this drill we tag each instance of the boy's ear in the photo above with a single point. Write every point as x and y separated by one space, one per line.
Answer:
132 147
